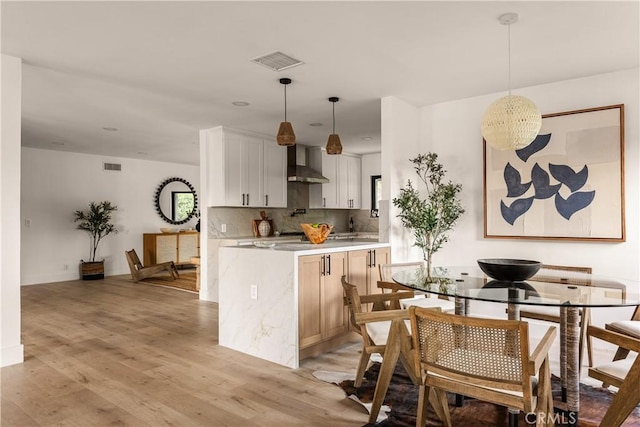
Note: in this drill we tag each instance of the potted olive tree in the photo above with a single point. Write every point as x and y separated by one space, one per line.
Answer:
97 222
431 217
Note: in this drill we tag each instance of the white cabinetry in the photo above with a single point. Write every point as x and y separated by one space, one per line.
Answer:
244 169
344 188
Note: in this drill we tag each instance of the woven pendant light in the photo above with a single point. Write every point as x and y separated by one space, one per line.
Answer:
334 146
511 122
285 137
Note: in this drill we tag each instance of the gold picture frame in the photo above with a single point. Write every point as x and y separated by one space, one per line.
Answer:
568 184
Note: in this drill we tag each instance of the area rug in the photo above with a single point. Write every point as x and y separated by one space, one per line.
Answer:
401 403
186 281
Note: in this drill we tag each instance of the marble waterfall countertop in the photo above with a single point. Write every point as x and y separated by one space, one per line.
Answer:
259 297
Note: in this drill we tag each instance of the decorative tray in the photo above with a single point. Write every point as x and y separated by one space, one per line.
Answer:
259 244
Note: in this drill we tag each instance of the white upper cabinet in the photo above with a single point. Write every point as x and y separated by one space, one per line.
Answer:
344 188
244 169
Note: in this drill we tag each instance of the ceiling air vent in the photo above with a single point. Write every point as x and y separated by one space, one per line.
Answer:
277 61
116 167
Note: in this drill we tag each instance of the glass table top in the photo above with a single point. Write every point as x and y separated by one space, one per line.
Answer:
547 287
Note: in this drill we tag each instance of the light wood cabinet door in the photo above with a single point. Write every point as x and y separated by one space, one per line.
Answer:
310 270
322 313
188 246
164 247
363 269
335 312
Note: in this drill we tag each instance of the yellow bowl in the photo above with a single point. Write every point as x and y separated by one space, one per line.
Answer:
317 234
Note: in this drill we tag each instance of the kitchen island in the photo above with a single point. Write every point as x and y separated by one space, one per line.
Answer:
277 302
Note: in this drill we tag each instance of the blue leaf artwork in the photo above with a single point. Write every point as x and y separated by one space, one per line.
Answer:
570 178
541 184
536 145
573 203
513 179
517 209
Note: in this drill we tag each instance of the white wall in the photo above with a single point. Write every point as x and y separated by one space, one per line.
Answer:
55 184
400 135
11 349
452 130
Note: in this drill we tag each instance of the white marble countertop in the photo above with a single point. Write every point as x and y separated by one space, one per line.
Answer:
307 248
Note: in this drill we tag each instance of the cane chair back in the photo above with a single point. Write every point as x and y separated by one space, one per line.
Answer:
487 359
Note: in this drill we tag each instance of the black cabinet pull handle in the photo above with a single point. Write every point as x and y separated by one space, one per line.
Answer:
322 270
374 258
247 199
266 200
243 197
329 269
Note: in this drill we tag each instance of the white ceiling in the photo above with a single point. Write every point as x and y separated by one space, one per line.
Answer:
160 71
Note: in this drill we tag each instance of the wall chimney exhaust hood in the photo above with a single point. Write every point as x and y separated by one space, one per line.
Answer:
297 169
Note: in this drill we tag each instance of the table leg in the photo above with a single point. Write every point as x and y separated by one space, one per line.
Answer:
569 361
461 309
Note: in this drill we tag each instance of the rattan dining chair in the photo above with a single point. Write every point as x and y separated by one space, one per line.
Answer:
487 359
386 283
622 373
552 314
626 327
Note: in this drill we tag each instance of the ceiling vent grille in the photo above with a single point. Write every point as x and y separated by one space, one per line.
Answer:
114 167
277 61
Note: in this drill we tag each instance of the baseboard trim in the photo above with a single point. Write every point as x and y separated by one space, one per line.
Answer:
11 355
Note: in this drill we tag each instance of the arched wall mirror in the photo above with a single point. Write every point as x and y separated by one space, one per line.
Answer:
176 201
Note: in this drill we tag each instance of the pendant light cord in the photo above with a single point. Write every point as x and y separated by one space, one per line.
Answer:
285 102
509 57
334 117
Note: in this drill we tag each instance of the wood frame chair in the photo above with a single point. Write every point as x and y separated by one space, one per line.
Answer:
621 373
626 327
487 359
552 314
386 282
139 272
373 326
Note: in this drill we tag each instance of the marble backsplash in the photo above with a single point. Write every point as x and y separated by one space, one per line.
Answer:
239 220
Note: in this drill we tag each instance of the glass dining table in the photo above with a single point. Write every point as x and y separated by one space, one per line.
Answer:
569 291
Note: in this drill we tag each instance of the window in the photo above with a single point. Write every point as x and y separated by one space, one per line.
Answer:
376 194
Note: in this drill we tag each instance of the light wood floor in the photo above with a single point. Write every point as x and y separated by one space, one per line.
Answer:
111 352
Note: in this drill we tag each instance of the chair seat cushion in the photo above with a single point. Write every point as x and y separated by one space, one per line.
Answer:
448 306
379 331
628 327
617 369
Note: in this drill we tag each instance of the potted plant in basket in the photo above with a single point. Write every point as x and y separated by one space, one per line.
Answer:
97 222
432 217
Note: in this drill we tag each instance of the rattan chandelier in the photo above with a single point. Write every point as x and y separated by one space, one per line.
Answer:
511 122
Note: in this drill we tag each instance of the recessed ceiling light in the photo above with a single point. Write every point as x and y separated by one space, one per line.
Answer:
367 138
240 103
57 143
315 124
110 129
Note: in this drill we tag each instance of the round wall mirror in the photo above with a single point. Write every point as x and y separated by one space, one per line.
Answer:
176 201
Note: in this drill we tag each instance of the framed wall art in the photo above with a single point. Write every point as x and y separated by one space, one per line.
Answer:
568 184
